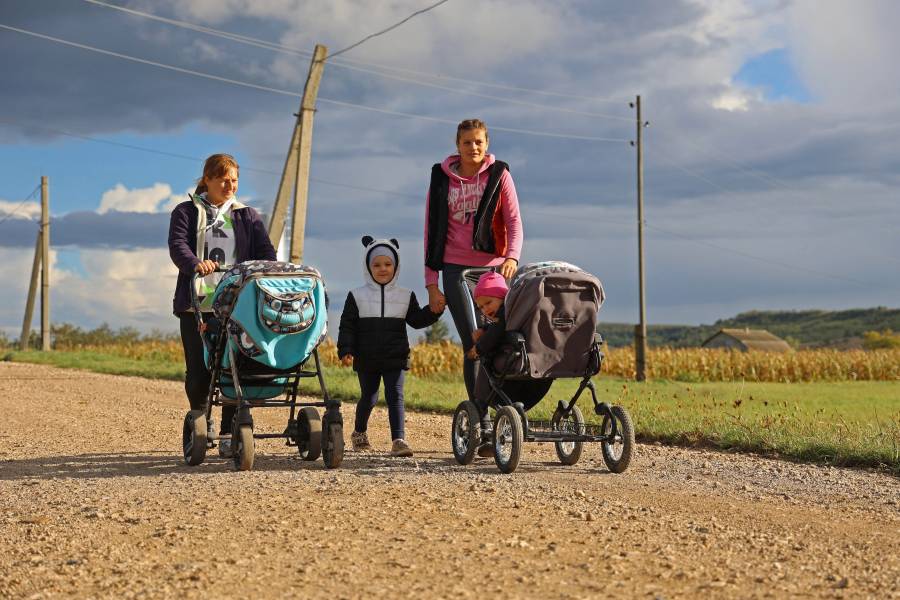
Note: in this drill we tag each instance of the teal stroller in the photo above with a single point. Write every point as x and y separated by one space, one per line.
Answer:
268 319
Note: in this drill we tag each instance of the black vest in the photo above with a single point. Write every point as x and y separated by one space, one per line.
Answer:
439 214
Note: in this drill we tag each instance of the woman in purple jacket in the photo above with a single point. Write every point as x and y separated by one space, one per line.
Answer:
211 229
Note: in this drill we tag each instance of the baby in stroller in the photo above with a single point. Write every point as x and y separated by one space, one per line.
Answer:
489 293
542 328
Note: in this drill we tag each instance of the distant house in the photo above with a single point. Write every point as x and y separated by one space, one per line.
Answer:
747 339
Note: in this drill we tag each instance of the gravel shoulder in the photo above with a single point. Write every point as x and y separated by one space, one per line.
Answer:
98 503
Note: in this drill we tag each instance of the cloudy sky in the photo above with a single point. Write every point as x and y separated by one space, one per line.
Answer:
772 156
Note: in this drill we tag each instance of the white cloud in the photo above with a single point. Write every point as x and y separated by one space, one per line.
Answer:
141 200
28 210
119 287
733 99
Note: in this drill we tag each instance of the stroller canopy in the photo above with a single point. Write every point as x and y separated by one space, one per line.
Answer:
554 306
276 312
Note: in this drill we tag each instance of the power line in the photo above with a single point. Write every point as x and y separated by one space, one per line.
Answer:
196 159
723 158
21 204
347 63
777 263
783 265
383 31
295 94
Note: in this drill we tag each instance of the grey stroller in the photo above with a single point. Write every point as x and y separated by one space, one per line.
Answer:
551 321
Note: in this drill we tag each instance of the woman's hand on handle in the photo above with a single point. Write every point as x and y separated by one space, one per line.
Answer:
206 267
347 360
508 268
436 299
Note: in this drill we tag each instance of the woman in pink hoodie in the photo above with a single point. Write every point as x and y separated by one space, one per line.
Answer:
472 220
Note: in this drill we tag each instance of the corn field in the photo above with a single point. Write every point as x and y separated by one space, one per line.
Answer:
680 364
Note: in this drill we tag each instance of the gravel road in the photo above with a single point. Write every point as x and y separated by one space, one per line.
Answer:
96 502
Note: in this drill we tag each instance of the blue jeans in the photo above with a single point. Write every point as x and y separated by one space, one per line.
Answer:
369 381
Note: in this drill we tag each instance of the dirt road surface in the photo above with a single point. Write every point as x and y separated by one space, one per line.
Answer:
96 502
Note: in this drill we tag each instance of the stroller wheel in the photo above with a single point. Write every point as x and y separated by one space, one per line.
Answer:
507 439
242 446
464 434
617 452
193 437
309 433
333 452
569 452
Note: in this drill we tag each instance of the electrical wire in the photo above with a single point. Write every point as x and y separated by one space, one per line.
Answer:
348 63
383 31
196 159
20 205
296 94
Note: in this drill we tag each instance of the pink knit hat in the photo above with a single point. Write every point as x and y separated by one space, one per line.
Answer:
491 284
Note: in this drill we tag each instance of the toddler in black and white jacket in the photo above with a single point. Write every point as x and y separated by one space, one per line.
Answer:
372 336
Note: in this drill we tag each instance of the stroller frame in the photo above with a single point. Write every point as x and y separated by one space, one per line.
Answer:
311 435
566 429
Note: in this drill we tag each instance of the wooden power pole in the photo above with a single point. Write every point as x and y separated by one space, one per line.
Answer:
32 292
297 164
42 261
640 332
45 263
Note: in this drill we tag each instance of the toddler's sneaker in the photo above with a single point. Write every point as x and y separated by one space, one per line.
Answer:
486 446
401 448
360 441
485 449
225 445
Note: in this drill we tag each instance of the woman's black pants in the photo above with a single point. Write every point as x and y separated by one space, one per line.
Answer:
196 376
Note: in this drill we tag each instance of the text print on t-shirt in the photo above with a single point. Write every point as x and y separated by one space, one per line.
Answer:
463 200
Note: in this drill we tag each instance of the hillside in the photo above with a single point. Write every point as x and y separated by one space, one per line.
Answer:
806 328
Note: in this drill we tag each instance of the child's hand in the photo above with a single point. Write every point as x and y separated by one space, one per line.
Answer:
472 353
476 335
347 360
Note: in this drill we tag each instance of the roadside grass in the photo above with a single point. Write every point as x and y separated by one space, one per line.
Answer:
840 423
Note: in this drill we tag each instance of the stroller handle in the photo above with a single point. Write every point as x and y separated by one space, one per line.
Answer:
195 302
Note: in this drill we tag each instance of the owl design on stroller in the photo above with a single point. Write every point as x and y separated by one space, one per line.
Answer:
550 332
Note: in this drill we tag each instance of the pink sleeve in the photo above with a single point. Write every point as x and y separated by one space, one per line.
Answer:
431 276
511 217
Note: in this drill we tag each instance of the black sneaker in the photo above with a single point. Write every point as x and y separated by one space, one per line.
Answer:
485 449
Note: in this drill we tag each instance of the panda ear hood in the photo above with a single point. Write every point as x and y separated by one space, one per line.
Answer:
393 248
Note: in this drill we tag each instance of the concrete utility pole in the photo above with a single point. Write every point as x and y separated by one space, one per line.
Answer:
32 292
640 331
297 163
45 263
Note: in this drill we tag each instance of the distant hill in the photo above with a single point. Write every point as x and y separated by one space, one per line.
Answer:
803 328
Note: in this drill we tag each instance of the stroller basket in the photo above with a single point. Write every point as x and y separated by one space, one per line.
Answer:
568 432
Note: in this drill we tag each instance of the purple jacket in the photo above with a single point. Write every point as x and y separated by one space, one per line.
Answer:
251 242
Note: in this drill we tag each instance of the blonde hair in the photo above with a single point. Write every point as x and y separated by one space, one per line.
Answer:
216 165
470 124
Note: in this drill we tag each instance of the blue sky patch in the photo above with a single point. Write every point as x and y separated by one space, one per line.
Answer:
773 72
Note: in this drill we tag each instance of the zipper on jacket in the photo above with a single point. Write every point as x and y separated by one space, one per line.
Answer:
382 301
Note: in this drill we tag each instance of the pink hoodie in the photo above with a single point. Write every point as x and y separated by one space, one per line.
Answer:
463 198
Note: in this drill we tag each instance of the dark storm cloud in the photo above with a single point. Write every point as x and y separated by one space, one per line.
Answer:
87 229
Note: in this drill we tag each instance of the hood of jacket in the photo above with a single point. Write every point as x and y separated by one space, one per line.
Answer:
453 159
370 244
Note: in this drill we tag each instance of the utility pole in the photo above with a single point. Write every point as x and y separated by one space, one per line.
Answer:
304 152
32 292
45 263
640 331
297 163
